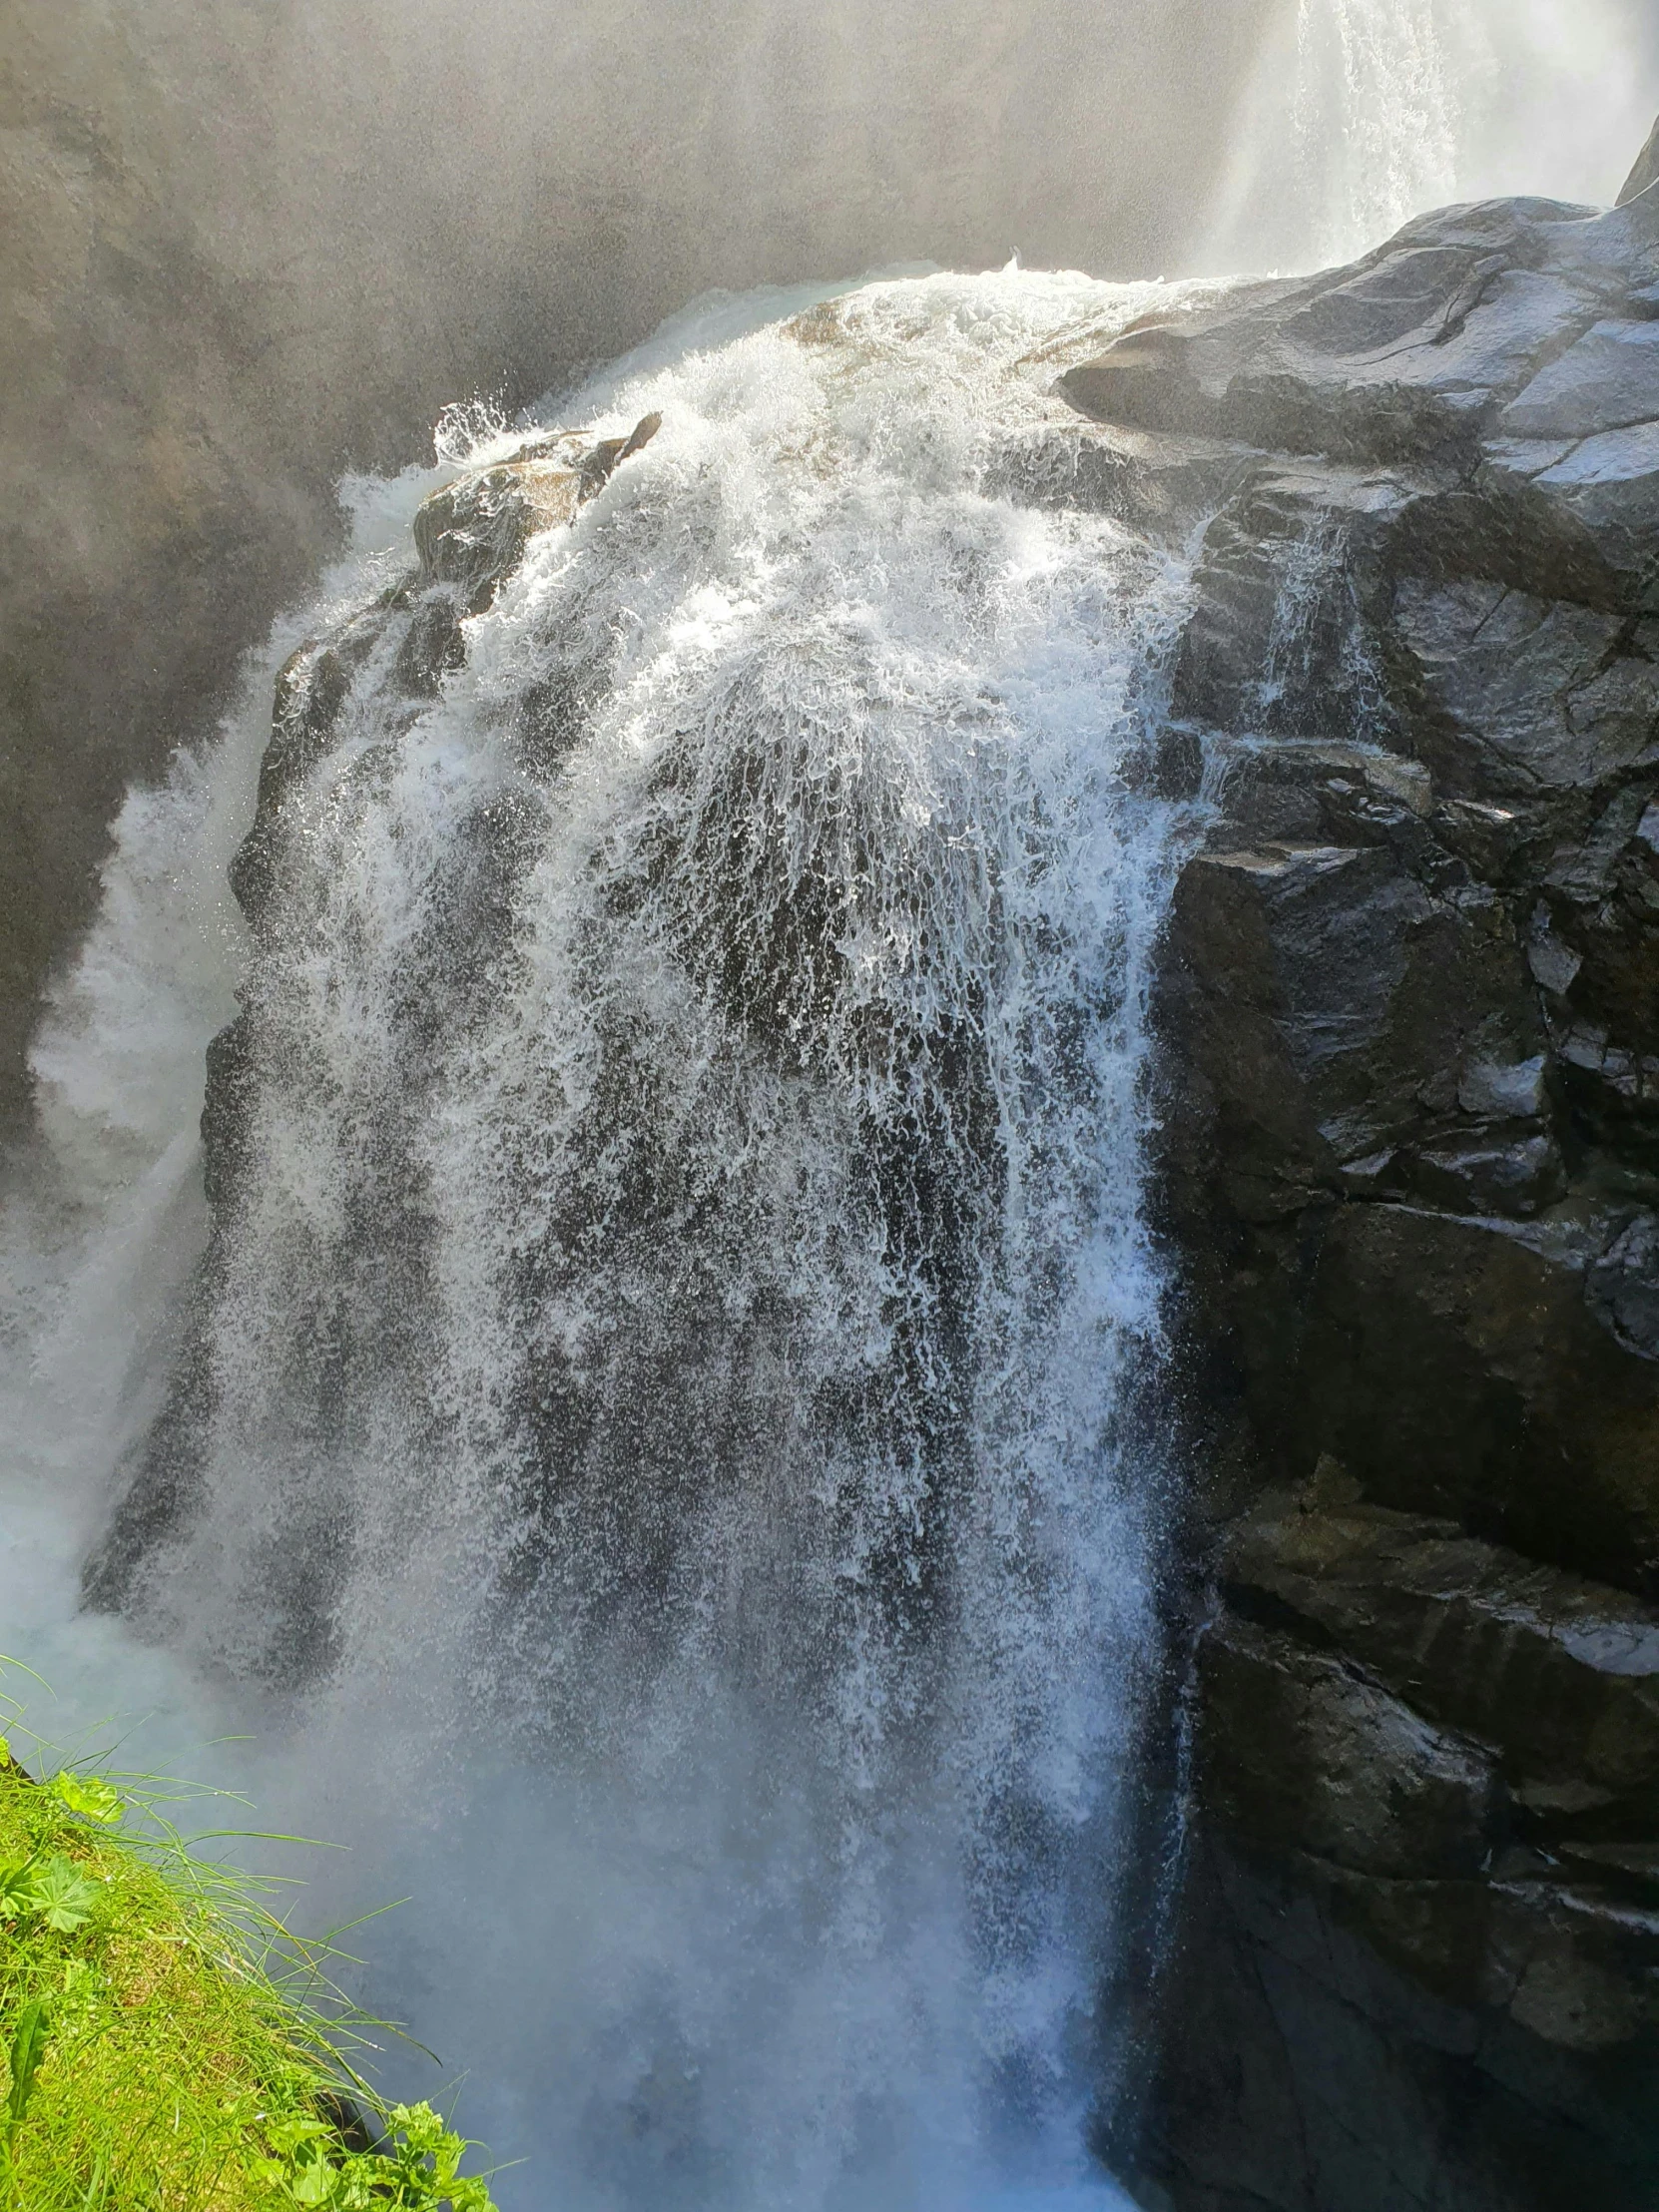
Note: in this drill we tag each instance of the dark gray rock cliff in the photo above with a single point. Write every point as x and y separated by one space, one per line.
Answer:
1409 1006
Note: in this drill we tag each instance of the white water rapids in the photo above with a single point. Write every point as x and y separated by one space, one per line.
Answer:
655 1452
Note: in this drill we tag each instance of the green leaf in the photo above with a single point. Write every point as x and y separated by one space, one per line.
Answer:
34 2024
314 2183
16 1888
422 2171
88 1795
62 1895
295 2131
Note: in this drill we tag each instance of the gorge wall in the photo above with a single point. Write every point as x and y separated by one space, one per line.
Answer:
1411 1166
245 246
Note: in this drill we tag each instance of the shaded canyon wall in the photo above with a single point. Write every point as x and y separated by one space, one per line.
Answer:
245 246
1411 1153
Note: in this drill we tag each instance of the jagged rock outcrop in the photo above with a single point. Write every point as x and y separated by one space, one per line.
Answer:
470 537
386 659
1410 1168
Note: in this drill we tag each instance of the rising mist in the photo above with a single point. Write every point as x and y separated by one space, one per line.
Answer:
247 243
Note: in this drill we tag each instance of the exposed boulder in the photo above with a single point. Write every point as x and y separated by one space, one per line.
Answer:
1409 357
472 534
1409 1142
470 537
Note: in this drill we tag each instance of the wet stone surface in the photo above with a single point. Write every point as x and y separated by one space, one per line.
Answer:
1409 1008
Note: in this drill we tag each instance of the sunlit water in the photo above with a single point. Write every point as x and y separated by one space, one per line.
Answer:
658 1455
1364 113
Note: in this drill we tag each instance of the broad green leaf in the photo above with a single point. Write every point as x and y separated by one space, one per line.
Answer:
88 1795
61 1895
295 2131
34 2024
314 2183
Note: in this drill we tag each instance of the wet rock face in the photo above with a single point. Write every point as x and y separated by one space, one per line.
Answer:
375 670
1409 1003
470 537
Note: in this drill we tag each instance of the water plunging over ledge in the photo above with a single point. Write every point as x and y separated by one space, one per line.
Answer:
660 1440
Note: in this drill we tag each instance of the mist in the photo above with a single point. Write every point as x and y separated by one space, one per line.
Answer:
1359 114
247 245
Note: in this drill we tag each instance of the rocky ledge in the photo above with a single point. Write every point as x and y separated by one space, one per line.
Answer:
1409 1005
387 658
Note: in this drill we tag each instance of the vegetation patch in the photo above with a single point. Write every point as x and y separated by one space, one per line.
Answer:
168 2045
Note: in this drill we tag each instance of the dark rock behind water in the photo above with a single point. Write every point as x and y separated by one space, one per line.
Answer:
246 247
1411 1149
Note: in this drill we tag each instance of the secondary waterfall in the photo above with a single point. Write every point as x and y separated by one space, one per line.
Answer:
661 1445
1364 113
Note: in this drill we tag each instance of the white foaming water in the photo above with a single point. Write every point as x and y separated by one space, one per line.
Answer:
1365 113
655 1444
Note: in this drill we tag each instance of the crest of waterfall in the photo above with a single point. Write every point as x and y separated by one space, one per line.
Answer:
661 1436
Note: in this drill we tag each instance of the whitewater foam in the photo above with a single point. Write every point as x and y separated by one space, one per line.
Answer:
665 1472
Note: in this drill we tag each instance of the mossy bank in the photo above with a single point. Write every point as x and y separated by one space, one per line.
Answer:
167 2047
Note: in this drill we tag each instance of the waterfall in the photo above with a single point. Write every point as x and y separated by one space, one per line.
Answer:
658 1437
1384 72
1365 113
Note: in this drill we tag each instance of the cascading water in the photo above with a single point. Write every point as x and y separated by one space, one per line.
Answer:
1385 73
657 1436
656 1439
1364 113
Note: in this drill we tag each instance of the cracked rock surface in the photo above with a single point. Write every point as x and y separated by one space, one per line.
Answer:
1409 1008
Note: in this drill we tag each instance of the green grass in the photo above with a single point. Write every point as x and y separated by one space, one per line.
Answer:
165 2044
